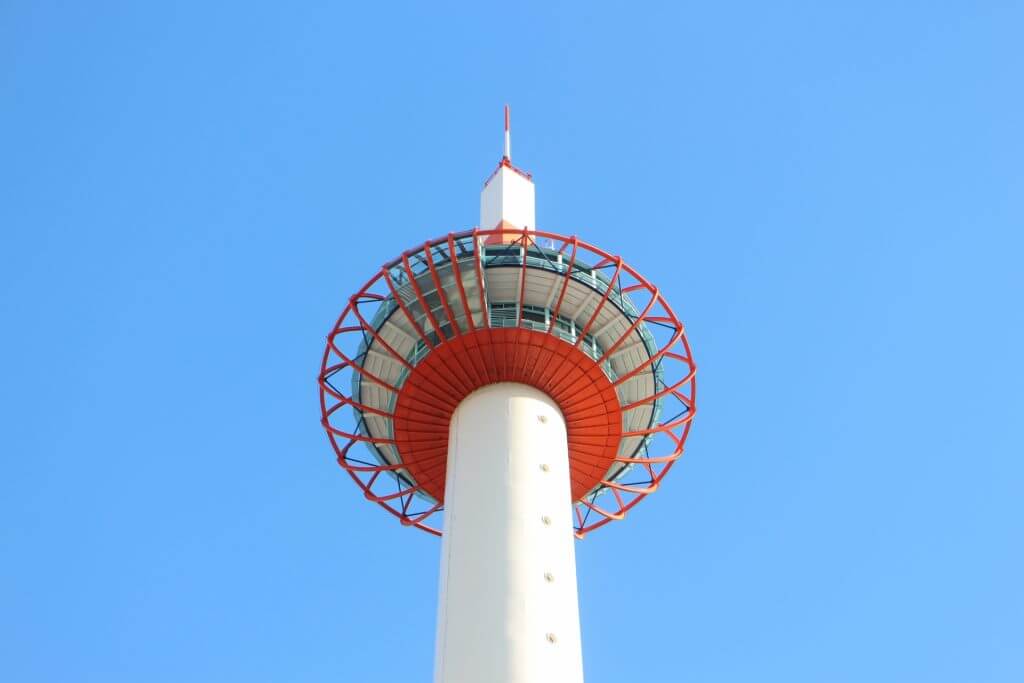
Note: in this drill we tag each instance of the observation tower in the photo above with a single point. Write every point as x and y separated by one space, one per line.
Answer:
512 390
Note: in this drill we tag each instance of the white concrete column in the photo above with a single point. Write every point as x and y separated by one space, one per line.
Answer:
508 610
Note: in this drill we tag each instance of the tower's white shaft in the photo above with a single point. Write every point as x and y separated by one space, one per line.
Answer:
508 610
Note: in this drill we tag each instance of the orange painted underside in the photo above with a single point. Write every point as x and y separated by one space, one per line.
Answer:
509 235
461 365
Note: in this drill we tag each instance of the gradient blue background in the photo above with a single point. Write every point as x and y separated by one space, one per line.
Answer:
831 197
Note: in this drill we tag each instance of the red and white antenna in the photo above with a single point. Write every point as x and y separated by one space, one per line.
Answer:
508 135
507 200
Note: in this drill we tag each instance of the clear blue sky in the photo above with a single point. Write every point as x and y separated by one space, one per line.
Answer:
832 196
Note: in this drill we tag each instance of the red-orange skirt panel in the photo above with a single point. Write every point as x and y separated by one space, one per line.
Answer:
468 362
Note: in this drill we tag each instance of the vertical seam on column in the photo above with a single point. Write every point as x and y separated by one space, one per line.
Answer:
448 556
511 651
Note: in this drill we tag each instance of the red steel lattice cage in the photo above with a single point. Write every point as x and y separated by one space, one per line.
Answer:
474 308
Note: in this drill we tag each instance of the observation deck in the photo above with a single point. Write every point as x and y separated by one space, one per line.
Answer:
484 306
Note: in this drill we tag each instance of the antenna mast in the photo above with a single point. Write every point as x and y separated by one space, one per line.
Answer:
508 135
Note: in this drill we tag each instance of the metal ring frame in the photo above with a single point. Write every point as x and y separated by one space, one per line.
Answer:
671 364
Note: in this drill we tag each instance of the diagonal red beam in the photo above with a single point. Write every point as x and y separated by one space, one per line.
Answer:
600 305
